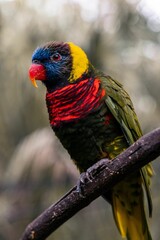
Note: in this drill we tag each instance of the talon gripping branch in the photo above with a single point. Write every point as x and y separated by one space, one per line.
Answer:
93 117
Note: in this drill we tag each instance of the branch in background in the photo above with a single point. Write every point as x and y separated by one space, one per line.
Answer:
104 174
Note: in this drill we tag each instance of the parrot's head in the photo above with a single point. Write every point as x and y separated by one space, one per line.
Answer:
58 64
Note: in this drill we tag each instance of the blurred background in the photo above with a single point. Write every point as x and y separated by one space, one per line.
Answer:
122 38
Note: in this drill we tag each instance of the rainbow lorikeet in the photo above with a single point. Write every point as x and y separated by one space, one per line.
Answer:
93 117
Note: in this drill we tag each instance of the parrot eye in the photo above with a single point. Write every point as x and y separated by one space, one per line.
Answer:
56 57
36 61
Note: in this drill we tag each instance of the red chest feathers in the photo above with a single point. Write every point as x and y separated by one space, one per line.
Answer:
74 101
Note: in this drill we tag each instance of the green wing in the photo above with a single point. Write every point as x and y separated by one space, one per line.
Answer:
120 105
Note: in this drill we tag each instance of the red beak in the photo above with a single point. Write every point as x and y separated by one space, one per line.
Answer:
37 72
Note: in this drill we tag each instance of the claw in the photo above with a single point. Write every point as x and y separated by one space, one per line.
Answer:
85 177
90 175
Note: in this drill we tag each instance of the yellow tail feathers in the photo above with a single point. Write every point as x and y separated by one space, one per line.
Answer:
128 210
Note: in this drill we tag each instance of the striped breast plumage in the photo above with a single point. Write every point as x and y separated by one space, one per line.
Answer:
82 121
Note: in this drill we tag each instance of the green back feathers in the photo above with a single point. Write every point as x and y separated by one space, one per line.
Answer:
120 105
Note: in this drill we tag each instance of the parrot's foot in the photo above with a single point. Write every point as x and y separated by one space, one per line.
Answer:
85 177
98 168
90 175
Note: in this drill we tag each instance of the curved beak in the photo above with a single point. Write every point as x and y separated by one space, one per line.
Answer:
37 72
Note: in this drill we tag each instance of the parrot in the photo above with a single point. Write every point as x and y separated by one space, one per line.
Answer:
94 118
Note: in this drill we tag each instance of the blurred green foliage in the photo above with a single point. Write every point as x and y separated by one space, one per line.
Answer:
34 168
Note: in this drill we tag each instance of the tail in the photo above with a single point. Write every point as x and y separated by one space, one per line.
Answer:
131 224
128 210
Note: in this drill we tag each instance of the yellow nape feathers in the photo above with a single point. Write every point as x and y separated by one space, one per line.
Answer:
80 62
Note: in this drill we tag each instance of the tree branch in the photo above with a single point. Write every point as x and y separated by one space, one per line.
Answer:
105 174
